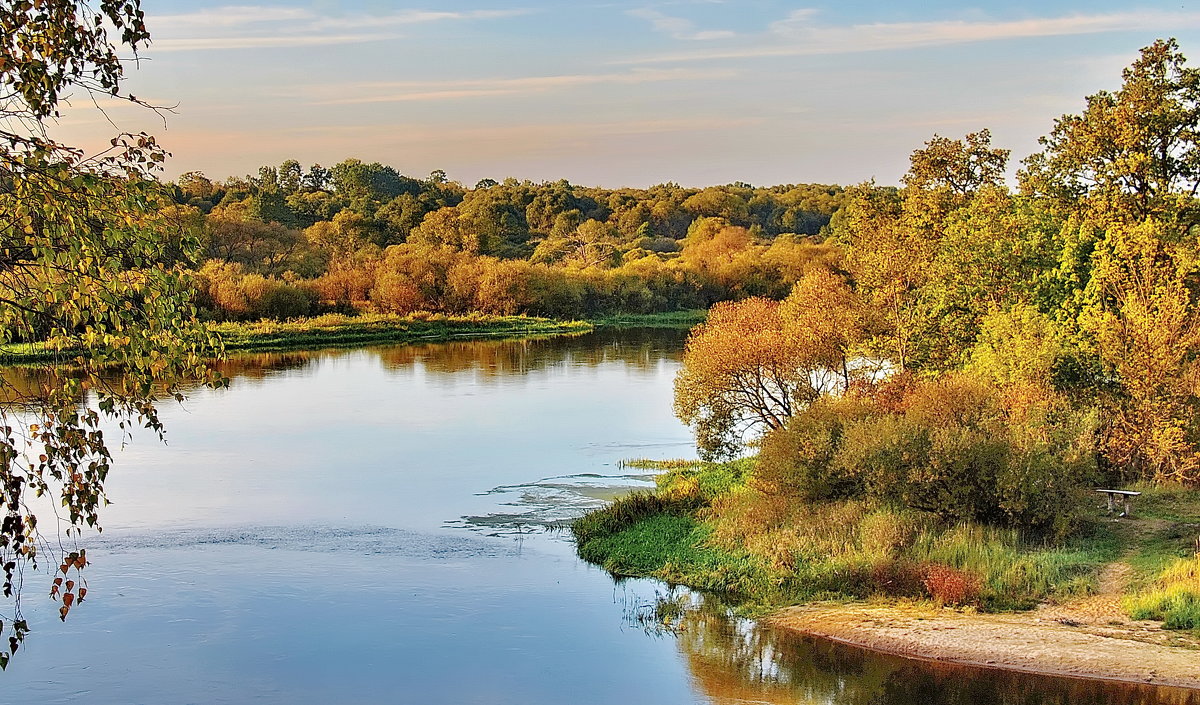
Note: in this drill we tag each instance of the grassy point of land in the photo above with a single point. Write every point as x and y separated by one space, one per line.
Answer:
671 319
335 330
339 330
705 528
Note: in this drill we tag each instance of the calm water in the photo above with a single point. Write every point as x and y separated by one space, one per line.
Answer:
379 526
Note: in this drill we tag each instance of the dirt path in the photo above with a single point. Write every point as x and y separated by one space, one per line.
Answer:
1091 637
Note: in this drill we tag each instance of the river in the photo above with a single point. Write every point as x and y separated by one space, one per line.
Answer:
383 525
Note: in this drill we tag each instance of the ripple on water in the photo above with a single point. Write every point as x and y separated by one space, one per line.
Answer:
361 540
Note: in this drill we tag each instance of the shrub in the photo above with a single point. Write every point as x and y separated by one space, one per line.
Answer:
282 301
800 458
899 577
949 586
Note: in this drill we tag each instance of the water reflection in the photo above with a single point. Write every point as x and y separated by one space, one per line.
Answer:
638 349
736 661
312 498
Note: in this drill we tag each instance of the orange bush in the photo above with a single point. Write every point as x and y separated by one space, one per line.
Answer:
950 586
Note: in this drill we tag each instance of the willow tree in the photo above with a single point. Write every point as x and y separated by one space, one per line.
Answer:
90 272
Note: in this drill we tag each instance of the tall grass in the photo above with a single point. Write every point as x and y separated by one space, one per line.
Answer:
785 549
342 330
849 549
666 319
702 481
1175 599
644 534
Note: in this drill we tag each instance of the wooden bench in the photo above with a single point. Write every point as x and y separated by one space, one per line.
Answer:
1126 497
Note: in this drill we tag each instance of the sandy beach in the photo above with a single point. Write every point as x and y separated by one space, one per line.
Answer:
1089 638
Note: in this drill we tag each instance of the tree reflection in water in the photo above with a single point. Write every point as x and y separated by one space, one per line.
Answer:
640 349
736 660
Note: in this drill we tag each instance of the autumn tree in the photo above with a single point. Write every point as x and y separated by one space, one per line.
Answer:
754 363
961 167
1146 324
1124 176
231 234
1133 153
90 269
891 263
825 321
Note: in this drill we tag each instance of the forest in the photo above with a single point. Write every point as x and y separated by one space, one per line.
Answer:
291 242
902 395
930 414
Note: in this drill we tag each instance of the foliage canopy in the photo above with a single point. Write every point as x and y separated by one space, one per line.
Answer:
87 262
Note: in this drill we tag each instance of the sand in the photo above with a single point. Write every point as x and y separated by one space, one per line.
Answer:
1090 638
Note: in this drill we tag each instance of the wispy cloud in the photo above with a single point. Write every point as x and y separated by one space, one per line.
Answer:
264 42
429 91
535 131
678 27
409 17
802 34
266 27
229 16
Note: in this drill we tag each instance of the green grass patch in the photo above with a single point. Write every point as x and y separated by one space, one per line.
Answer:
649 464
706 528
339 330
1014 574
705 481
671 546
1174 599
669 319
336 330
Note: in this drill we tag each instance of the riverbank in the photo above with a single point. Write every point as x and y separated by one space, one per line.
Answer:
1116 601
337 330
1091 638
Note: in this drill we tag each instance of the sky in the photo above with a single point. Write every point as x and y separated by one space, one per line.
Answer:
696 92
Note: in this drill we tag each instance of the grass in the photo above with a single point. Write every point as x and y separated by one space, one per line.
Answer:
337 330
1174 599
1164 554
668 319
340 330
1013 573
645 534
706 528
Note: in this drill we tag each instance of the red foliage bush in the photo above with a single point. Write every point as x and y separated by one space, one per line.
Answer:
950 586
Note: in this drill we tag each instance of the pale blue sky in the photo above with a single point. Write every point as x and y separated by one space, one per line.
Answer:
620 93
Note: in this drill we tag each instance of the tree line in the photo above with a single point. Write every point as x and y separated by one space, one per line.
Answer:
291 242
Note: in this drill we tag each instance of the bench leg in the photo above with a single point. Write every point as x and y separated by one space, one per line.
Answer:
1126 507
